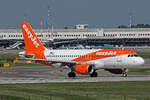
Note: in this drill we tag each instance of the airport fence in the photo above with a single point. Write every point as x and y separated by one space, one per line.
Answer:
72 97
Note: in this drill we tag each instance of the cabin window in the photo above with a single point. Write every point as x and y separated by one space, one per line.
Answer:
133 55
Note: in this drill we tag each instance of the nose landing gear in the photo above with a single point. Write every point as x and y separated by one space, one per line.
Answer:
124 73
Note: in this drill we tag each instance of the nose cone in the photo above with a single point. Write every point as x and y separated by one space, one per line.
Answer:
141 61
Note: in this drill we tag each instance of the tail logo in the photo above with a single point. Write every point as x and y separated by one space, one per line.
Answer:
30 36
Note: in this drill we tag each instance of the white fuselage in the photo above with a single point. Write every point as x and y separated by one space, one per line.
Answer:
115 61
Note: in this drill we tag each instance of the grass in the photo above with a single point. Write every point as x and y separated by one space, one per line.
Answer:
26 64
139 71
77 91
7 57
144 54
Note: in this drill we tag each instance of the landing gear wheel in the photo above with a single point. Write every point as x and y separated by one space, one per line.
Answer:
124 75
71 74
94 74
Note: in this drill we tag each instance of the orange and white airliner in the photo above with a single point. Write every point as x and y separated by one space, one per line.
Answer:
81 61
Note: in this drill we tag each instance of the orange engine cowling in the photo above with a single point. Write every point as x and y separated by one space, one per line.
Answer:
84 69
115 71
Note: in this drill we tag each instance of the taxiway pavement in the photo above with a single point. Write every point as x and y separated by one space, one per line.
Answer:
45 74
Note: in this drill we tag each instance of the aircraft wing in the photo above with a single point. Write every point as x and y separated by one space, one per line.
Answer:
58 61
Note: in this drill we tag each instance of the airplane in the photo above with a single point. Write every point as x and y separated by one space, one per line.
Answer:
80 61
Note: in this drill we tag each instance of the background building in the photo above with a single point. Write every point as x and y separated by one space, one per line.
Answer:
114 36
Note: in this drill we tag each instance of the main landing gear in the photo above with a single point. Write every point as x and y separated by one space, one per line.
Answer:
94 74
71 74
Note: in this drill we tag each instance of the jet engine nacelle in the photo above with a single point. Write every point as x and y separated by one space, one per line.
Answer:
115 71
84 69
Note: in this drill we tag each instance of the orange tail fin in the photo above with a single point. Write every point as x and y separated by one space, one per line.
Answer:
32 43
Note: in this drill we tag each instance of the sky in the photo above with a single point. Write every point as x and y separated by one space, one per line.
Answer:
96 13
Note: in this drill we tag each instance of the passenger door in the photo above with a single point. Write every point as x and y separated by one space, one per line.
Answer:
118 60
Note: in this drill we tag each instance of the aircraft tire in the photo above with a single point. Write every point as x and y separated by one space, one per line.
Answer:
94 74
71 74
124 75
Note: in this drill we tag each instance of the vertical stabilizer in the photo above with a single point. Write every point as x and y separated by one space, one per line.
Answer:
30 39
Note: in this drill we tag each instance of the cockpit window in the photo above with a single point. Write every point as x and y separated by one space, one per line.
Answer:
133 55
